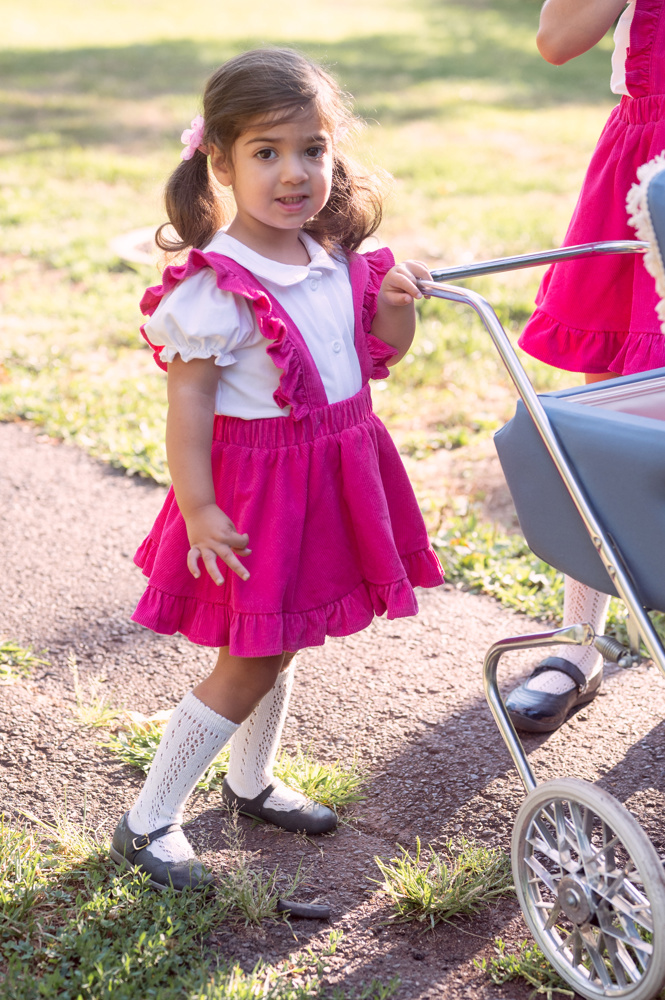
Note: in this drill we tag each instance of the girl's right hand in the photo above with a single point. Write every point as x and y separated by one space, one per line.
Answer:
212 536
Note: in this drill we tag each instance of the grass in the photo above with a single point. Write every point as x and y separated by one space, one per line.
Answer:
17 661
71 926
464 880
92 706
335 785
482 558
528 963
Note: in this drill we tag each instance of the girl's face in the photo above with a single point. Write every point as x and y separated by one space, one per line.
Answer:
281 176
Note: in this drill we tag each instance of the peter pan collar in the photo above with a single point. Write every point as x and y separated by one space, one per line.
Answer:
272 270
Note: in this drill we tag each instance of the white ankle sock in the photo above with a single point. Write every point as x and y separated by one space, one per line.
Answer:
254 748
580 604
193 737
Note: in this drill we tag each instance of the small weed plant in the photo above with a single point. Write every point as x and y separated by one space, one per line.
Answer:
527 963
17 661
72 926
460 882
92 707
335 785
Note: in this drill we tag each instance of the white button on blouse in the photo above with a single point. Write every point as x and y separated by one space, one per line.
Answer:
198 320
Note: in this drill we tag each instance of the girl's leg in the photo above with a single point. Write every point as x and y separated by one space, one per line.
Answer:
198 729
580 604
253 751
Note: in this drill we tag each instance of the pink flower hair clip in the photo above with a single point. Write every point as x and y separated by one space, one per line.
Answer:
192 137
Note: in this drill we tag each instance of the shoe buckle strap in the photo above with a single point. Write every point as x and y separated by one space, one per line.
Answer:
564 667
144 839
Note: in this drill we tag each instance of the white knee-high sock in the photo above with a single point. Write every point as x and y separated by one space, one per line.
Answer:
193 737
254 747
580 604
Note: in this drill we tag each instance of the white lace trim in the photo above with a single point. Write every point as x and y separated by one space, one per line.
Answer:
637 205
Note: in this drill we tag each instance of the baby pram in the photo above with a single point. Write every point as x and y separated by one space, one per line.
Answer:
590 883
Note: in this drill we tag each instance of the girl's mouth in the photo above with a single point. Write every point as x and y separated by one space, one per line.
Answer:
292 200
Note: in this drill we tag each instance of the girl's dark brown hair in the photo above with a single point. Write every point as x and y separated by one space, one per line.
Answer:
275 85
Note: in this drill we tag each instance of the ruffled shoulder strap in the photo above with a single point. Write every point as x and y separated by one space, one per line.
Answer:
300 386
645 65
367 271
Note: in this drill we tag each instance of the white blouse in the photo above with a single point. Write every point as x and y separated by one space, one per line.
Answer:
621 43
198 320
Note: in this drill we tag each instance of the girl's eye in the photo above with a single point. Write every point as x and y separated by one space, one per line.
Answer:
315 152
265 154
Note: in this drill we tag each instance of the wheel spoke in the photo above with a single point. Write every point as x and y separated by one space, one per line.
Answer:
562 828
554 915
601 852
609 845
573 938
582 832
639 912
618 964
550 848
543 874
588 936
625 935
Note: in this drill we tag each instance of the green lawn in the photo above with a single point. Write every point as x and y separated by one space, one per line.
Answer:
486 142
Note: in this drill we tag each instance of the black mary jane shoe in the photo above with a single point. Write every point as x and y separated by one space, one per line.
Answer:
311 818
128 851
541 712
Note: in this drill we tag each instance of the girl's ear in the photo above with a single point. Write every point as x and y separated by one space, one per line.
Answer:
221 167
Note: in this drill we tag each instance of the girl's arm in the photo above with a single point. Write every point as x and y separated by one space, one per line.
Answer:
191 393
570 27
395 319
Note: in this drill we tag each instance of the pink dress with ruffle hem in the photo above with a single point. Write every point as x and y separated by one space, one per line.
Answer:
336 533
598 315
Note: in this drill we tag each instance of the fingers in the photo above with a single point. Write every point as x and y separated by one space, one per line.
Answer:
193 562
401 281
210 559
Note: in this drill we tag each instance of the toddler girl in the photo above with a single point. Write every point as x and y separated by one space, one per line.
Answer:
291 516
597 315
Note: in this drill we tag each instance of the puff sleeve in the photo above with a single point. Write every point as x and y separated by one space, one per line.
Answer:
199 320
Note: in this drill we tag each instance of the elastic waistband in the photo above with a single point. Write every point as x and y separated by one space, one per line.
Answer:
280 432
640 110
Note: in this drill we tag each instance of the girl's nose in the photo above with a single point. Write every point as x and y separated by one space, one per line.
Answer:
293 170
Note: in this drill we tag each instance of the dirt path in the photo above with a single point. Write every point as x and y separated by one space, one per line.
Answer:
406 695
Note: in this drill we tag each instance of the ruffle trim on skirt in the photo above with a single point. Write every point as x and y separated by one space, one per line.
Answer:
250 634
591 351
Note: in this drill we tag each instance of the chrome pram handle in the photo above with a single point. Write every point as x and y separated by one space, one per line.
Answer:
536 259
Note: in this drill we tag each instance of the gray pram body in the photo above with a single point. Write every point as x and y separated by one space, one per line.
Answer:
613 434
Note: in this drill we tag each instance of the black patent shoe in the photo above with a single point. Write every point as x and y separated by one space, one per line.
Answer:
311 818
541 712
128 851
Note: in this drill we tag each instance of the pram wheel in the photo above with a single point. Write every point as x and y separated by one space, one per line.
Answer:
592 890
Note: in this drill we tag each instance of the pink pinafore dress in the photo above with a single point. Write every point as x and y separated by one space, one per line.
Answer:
598 315
335 529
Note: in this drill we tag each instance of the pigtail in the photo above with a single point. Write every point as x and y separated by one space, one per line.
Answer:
354 210
192 206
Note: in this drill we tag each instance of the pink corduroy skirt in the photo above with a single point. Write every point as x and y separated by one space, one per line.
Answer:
598 314
336 534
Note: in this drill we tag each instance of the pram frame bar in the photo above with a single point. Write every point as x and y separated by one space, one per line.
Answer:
536 259
610 557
